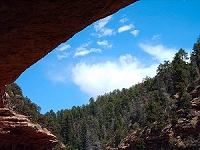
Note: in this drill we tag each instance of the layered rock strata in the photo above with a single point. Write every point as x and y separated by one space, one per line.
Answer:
17 132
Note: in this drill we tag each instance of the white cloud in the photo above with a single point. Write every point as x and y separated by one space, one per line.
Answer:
100 28
135 32
123 20
104 43
99 78
106 32
160 52
64 55
125 28
84 50
61 51
63 47
101 23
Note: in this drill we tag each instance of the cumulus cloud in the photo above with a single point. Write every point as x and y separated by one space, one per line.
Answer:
100 28
160 52
104 43
135 32
99 78
125 28
84 50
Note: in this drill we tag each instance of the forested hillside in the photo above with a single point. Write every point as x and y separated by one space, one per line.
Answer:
107 120
23 105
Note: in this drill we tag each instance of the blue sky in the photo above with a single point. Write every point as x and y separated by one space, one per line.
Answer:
113 53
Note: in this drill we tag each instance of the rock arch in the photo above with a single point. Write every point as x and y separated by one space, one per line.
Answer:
31 29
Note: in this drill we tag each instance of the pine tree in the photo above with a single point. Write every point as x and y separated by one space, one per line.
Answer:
164 76
155 116
180 72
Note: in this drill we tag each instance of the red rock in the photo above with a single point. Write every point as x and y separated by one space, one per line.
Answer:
19 133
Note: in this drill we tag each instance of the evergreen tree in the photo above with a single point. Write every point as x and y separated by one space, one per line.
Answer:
51 122
164 77
155 116
180 72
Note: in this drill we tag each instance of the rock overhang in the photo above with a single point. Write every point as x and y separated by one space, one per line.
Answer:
32 29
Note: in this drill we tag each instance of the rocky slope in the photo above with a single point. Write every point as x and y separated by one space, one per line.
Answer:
19 133
184 134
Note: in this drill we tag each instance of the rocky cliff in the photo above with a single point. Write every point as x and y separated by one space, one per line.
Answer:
184 134
19 133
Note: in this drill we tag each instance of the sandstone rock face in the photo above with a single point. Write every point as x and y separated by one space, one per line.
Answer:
31 29
18 133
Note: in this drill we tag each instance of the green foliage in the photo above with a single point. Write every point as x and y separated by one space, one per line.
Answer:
164 77
155 116
180 71
185 102
22 104
14 89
